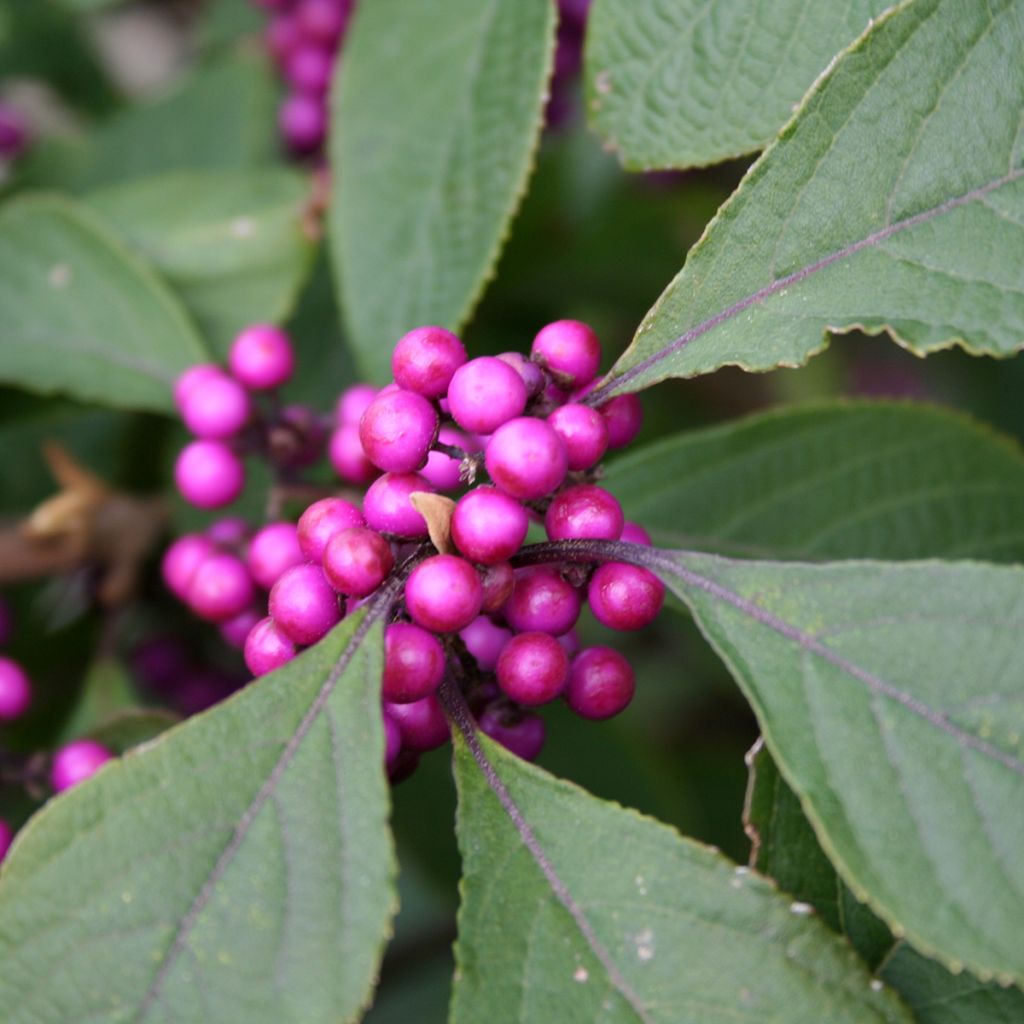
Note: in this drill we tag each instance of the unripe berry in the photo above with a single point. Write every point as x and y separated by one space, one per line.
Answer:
625 597
443 594
6 838
634 533
569 351
209 474
443 471
425 359
216 407
388 509
485 393
584 512
601 683
346 455
272 552
321 521
397 430
526 458
15 690
422 723
413 663
303 605
267 648
303 122
498 582
484 640
352 403
583 432
262 357
221 588
192 378
235 631
521 732
357 561
532 668
624 416
489 526
542 601
181 560
76 762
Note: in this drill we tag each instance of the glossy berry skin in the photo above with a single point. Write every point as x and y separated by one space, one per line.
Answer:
397 430
357 561
526 458
221 588
262 357
532 668
273 550
521 732
543 602
352 403
634 533
303 122
624 416
321 521
303 605
422 723
209 474
15 690
489 526
584 512
76 762
498 581
444 472
6 838
569 351
584 433
235 631
625 597
216 407
425 360
413 663
484 394
601 683
267 648
484 640
346 455
192 378
181 560
443 594
387 507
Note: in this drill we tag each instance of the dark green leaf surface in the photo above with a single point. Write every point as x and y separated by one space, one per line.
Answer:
434 125
82 315
698 81
238 868
894 201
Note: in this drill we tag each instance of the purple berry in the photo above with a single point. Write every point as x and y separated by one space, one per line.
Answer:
413 663
209 474
352 403
14 133
392 741
181 560
282 36
425 359
532 668
229 532
346 455
601 683
485 393
624 416
543 602
6 622
498 581
634 533
584 512
625 597
422 723
216 407
583 432
521 732
303 605
388 509
357 561
267 648
444 472
262 357
489 526
322 20
308 68
321 521
443 594
15 690
193 377
76 762
484 640
6 838
569 351
532 374
526 458
221 588
570 642
201 689
273 551
159 662
235 631
303 122
397 430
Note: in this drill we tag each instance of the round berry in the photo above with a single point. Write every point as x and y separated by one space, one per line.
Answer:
601 683
526 458
6 838
532 668
303 604
15 690
181 560
282 36
262 357
584 512
346 455
485 393
388 509
14 132
569 351
521 732
267 648
413 663
425 359
498 582
489 526
273 551
422 723
357 561
583 432
209 474
634 533
76 762
397 430
229 532
322 20
216 407
308 68
235 630
484 640
352 403
221 588
570 642
625 597
624 416
443 471
303 122
321 521
532 374
543 602
443 594
192 378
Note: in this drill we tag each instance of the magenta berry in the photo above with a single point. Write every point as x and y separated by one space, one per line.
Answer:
216 407
443 471
489 526
388 509
392 741
303 122
526 458
303 605
443 594
532 668
542 601
413 663
321 521
262 357
625 597
322 20
484 640
498 582
352 403
267 647
634 533
601 683
569 351
584 512
532 374
235 631
624 416
570 642
425 359
584 433
76 762
220 588
282 36
181 560
422 723
209 474
485 393
397 430
308 68
346 455
14 132
521 732
15 690
231 531
273 551
6 838
357 561
192 378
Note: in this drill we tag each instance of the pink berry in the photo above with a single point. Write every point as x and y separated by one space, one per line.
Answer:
532 668
388 509
569 351
583 432
308 68
443 594
346 455
634 533
303 122
521 732
357 561
321 521
282 36
624 416
532 374
485 393
267 648
392 741
352 403
489 526
422 723
397 430
303 605
235 630
625 597
15 690
272 551
498 582
181 560
209 474
221 588
601 683
425 359
570 642
484 640
6 838
584 512
191 379
76 762
216 407
444 472
413 663
229 532
262 357
322 20
526 458
542 602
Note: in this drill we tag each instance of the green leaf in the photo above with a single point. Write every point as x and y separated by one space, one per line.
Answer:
576 910
230 242
699 81
81 314
237 868
832 480
435 121
894 200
